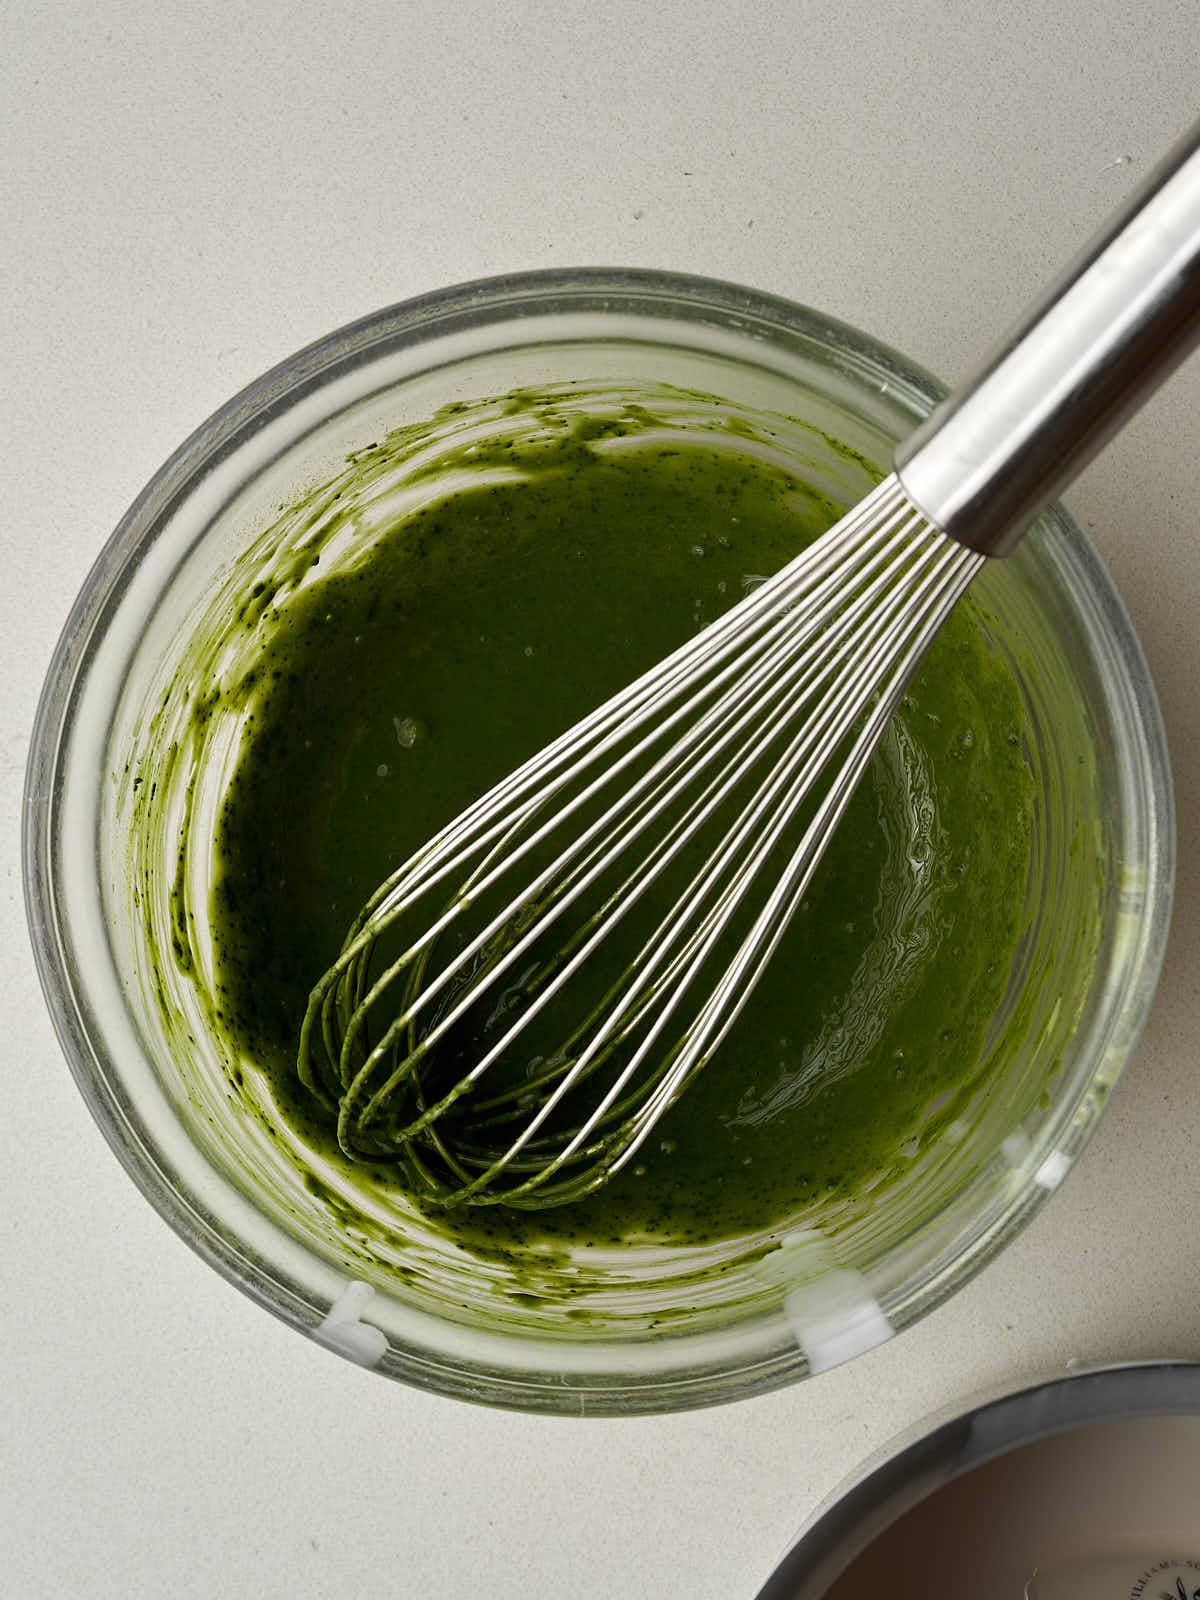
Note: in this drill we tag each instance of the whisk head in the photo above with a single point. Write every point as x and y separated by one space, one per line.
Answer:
514 1009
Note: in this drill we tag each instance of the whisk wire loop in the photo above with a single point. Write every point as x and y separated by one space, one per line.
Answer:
533 787
722 718
705 1033
721 748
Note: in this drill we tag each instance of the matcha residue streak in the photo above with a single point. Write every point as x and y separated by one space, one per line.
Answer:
391 695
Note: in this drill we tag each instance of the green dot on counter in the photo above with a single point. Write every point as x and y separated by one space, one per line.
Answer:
389 695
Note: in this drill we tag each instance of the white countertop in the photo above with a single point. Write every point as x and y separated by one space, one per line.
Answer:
193 192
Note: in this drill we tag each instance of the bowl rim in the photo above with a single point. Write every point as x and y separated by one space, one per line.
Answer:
941 1449
232 425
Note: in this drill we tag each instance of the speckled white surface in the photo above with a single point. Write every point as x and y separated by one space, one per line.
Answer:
194 192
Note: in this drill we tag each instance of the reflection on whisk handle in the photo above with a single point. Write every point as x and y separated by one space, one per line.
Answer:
1076 367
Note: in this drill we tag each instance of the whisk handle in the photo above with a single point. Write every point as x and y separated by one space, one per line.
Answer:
1074 369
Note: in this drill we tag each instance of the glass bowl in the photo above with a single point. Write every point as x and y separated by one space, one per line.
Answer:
110 861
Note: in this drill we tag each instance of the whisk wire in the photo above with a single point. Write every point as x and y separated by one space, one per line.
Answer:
751 713
386 908
799 582
729 727
705 1034
731 991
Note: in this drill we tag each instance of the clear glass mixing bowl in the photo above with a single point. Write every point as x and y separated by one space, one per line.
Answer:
105 864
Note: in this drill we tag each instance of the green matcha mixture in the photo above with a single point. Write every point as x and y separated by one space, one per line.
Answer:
392 695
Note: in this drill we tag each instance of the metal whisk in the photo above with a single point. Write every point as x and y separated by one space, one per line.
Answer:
516 1007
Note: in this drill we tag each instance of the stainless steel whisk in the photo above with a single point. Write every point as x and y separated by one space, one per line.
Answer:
713 782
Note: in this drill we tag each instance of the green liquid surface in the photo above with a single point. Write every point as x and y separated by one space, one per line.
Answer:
391 695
